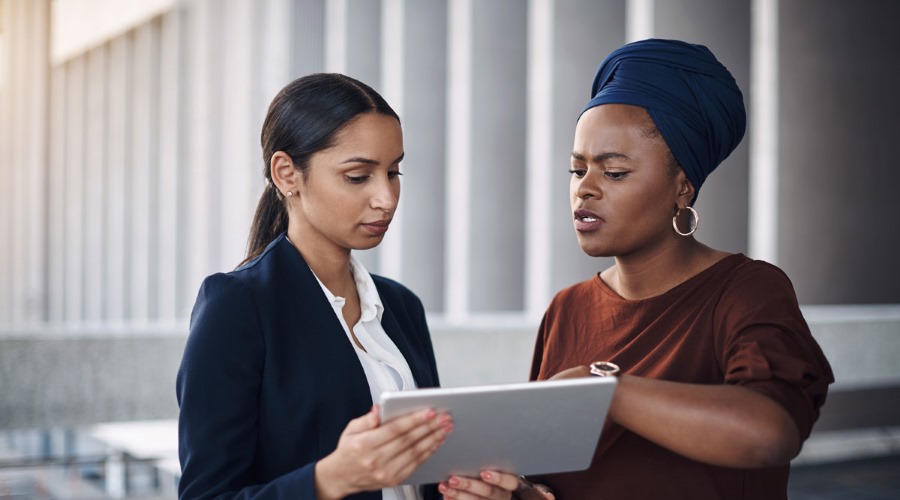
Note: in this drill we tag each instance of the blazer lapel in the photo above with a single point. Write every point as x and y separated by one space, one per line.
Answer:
321 328
417 365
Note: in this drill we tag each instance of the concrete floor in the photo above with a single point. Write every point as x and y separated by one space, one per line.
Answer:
862 479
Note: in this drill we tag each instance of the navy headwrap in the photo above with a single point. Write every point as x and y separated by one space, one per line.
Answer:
691 97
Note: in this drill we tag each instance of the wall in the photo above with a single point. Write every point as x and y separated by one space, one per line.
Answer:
64 377
838 179
130 171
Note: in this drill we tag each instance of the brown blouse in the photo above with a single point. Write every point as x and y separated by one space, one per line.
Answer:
737 322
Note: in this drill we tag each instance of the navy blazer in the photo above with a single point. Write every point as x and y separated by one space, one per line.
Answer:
269 379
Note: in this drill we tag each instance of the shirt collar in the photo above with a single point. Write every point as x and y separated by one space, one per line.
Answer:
369 301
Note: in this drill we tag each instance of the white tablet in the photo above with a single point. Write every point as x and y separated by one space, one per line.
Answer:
523 428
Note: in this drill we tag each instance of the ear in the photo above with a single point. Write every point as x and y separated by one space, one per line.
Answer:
685 192
284 174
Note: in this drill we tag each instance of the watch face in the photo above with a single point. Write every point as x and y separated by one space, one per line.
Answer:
604 368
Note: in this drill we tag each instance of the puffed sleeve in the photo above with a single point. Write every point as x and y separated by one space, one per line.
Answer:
763 343
217 388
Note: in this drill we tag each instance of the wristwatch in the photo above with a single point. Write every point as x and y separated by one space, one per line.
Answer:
604 369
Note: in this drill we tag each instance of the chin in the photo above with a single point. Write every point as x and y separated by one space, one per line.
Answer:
595 250
368 243
598 253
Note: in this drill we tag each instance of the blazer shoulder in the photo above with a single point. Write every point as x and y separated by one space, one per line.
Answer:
393 291
268 270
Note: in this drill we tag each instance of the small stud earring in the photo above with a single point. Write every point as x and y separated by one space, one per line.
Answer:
289 194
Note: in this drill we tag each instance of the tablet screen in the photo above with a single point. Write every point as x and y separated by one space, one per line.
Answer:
523 428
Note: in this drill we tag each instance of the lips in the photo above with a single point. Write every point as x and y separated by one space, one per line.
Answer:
586 221
378 227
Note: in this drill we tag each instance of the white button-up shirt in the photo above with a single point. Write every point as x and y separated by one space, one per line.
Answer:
385 367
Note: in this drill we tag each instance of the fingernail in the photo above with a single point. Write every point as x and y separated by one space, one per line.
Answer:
444 418
428 414
487 475
453 481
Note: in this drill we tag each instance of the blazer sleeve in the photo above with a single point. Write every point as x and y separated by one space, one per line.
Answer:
217 388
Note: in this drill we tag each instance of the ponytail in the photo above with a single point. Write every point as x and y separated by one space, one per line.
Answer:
270 220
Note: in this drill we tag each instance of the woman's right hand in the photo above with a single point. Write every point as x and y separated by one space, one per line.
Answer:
371 456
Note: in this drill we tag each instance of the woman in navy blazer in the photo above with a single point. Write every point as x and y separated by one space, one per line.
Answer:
276 387
275 402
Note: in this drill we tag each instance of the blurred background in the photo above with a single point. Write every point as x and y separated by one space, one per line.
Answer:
130 167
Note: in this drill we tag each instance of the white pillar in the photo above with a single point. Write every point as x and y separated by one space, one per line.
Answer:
640 19
167 204
95 185
119 186
275 49
459 161
143 163
538 247
25 129
336 36
241 179
74 192
56 202
763 131
199 225
393 56
6 162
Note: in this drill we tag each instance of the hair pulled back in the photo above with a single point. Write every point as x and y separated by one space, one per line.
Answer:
302 120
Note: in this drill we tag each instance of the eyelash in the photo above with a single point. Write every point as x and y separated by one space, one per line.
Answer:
613 176
360 179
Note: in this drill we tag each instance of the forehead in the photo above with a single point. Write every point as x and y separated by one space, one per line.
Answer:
613 127
369 129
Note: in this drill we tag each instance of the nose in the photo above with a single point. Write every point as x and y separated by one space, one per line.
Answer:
385 196
587 186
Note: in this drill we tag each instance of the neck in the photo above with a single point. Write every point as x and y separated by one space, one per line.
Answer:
650 274
330 262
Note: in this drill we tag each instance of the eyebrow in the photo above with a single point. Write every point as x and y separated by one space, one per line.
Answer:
600 158
369 161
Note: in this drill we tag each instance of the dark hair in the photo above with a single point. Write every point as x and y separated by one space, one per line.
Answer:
303 119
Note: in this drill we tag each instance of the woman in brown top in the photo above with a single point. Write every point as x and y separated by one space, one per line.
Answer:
721 380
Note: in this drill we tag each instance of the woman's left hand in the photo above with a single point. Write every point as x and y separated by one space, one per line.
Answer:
491 485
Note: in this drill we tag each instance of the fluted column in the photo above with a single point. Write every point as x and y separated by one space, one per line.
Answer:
24 127
583 34
414 80
725 28
838 176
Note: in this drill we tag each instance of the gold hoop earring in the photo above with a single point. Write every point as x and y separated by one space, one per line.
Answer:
693 221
